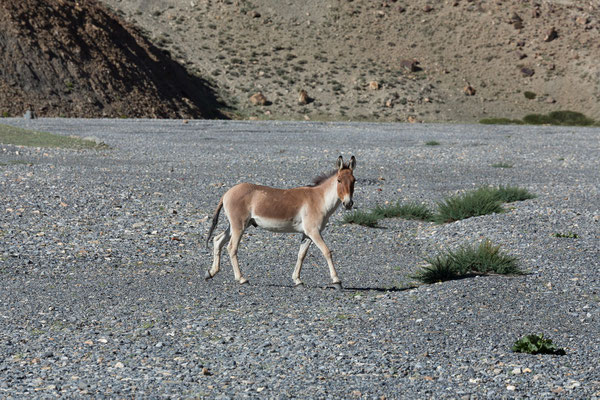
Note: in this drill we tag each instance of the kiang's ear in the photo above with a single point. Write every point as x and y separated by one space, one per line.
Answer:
352 164
340 163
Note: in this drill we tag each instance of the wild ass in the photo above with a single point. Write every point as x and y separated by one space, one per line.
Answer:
303 209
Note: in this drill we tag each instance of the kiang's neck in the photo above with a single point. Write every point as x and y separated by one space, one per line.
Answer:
330 194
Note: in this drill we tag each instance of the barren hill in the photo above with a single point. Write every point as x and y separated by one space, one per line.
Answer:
68 58
354 57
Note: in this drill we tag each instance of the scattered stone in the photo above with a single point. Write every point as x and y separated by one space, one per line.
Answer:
29 114
521 55
259 99
427 8
582 20
303 97
527 72
551 35
253 14
410 65
373 85
469 90
119 364
550 100
516 21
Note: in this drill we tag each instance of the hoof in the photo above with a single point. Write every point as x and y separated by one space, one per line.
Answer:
243 281
299 285
336 286
207 275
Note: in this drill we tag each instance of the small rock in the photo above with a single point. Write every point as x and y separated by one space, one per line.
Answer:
527 72
469 90
258 99
410 65
303 97
119 364
29 114
550 100
373 85
253 14
551 35
512 388
582 20
427 8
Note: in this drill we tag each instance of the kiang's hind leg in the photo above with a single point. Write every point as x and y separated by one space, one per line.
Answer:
237 230
301 255
219 241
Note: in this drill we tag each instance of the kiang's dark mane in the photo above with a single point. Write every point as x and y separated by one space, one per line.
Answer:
323 177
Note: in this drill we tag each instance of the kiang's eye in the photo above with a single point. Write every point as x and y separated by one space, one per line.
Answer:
339 181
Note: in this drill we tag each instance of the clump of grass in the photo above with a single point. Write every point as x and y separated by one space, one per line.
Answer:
537 344
432 143
569 235
529 95
471 204
468 260
502 165
500 121
483 201
406 211
510 194
24 137
362 218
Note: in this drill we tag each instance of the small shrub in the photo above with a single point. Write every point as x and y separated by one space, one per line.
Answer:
362 218
407 211
432 143
565 118
470 204
529 95
468 260
536 344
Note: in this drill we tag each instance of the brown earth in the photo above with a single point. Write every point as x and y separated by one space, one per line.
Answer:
76 59
503 49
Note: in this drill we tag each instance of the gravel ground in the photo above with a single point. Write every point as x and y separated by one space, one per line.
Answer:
102 260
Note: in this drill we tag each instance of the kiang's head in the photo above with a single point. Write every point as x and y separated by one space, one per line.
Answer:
345 181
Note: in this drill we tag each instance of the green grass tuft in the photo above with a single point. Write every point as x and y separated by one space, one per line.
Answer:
362 218
471 204
510 194
529 95
25 137
569 235
502 165
468 260
406 211
432 143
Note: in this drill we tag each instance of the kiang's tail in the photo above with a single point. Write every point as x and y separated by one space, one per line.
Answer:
215 220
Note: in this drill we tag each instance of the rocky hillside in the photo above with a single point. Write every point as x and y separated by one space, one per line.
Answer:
421 60
74 58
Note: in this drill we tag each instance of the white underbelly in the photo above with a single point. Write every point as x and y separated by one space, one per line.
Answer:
275 225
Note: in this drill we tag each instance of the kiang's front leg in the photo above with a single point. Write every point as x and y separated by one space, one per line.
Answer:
315 236
306 241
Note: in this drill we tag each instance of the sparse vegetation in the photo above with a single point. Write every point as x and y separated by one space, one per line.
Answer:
502 165
468 260
466 205
406 211
536 344
561 118
432 143
529 95
362 218
568 235
24 137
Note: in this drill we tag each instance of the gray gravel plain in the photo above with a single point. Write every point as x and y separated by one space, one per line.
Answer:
102 260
